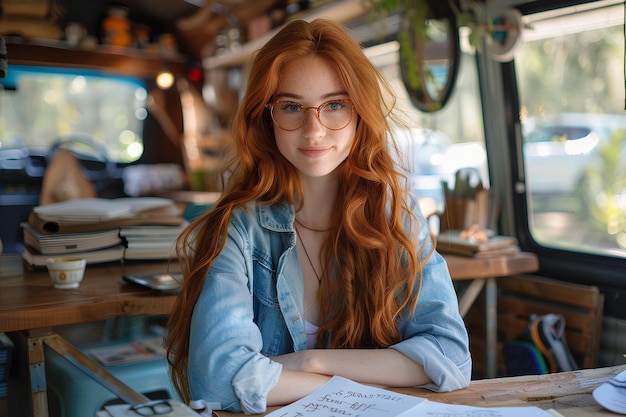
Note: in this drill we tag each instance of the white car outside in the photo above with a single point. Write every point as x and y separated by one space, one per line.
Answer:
559 150
430 157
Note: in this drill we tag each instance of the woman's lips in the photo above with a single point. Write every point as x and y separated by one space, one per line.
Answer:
314 152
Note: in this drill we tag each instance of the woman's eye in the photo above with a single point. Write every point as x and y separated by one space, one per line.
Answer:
290 107
335 105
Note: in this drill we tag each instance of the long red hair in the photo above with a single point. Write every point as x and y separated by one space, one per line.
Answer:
373 249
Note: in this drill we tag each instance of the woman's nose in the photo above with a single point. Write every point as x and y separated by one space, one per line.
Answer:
312 125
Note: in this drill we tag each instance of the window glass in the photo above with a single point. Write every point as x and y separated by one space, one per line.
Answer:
438 144
571 87
41 106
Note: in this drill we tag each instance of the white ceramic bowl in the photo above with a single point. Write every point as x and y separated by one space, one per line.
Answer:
66 272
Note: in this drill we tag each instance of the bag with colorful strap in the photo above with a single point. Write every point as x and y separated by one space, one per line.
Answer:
540 349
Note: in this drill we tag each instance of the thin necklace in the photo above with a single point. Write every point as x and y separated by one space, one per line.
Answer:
319 279
310 228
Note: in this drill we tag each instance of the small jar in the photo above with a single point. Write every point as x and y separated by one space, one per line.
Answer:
116 27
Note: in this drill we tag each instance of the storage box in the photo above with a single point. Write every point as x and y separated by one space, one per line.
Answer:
72 393
6 349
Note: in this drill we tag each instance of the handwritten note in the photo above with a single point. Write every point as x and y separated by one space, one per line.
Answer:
341 397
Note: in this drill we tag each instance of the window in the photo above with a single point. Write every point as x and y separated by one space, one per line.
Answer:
442 142
40 106
570 75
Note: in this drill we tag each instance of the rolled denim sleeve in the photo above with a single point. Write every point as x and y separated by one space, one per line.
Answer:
225 364
435 335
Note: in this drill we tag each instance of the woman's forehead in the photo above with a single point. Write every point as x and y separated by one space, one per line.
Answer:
310 77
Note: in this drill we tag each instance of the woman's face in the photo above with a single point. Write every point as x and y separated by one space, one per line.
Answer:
313 149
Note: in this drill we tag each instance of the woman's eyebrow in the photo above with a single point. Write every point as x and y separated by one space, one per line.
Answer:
340 94
287 96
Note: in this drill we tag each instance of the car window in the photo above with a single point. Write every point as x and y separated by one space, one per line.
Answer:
41 106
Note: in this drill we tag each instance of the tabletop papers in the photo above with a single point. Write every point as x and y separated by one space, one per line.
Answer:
346 398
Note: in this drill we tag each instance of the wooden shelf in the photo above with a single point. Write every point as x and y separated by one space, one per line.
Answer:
117 60
340 11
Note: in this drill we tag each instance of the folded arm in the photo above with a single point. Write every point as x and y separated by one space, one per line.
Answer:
305 371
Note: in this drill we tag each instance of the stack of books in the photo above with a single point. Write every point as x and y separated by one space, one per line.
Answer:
96 247
150 241
450 241
102 230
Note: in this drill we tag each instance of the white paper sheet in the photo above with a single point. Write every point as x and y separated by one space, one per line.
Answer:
84 210
435 409
343 397
346 398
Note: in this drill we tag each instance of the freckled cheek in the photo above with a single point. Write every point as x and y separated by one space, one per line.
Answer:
351 137
284 141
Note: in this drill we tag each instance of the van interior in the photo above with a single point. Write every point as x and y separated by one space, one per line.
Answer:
524 99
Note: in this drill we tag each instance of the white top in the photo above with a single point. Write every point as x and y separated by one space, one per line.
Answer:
311 334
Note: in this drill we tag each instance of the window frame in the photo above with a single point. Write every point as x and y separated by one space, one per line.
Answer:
578 267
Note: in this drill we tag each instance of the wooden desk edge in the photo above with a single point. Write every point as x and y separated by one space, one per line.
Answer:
561 391
44 317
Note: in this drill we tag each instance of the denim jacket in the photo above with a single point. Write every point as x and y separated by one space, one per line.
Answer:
251 309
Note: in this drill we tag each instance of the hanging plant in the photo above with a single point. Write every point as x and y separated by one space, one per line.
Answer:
414 14
423 26
488 23
428 38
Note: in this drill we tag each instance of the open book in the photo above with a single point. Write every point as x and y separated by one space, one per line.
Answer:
93 210
343 397
89 215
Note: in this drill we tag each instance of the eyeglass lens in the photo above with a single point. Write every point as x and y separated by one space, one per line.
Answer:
152 408
333 115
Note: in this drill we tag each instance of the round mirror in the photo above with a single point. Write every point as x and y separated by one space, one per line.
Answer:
429 57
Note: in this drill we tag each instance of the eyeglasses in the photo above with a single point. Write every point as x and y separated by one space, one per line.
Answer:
152 408
333 114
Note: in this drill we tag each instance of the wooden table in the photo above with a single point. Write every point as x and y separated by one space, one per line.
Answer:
483 272
569 393
29 303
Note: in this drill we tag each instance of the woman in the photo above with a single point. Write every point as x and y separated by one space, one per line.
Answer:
314 262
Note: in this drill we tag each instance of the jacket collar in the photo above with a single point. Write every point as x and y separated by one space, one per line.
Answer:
278 217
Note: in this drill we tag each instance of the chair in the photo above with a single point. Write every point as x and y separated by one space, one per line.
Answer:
580 305
520 297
